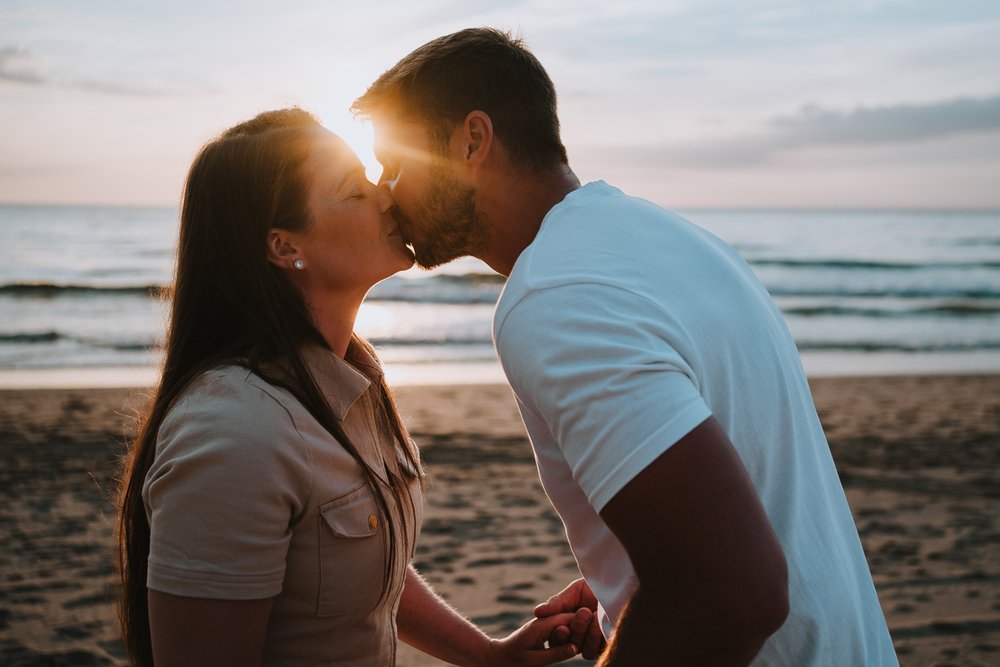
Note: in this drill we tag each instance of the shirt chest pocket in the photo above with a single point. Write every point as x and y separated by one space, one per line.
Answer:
351 555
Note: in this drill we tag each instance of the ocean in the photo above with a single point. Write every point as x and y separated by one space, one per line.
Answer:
863 292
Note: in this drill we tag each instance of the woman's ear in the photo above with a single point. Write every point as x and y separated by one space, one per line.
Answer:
281 249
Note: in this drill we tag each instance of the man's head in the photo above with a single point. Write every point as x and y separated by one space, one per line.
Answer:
419 104
475 69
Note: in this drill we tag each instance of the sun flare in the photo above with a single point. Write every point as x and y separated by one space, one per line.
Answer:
359 137
373 321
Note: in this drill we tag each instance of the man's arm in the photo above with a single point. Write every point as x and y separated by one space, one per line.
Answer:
713 583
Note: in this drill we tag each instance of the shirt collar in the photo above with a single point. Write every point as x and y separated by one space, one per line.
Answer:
342 381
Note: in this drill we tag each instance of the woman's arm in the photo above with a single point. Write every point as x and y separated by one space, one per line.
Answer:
427 623
190 632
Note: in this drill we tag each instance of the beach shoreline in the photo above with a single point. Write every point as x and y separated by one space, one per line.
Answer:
816 363
918 455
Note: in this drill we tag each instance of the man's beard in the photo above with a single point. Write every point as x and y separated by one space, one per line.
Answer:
449 224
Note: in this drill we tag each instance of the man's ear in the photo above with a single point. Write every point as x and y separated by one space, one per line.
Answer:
477 137
282 251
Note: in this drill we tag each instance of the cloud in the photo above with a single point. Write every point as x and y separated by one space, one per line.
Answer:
21 65
814 127
902 123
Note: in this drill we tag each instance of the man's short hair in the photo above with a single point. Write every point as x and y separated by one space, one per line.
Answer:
481 69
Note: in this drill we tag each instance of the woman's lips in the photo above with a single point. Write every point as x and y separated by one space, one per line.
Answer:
398 231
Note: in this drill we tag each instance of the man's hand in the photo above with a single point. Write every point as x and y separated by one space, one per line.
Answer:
526 646
584 630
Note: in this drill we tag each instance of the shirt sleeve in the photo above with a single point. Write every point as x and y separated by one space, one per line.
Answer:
605 370
229 478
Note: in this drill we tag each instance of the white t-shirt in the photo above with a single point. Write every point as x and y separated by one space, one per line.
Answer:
621 328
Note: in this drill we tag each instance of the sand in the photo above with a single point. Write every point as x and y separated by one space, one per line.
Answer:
919 457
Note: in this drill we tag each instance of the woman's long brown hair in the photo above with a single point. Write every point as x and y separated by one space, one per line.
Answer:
229 304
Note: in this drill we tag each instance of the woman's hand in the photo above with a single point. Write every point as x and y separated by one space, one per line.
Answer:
526 646
584 631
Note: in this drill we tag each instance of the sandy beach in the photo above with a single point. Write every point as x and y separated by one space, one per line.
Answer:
919 457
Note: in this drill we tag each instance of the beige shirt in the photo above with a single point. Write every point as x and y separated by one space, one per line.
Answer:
250 498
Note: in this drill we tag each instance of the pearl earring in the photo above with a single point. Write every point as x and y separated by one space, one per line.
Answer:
299 264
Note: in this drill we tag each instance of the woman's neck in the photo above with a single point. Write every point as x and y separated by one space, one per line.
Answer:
334 318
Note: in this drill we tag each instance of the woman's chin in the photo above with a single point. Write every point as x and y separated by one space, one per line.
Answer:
401 265
410 258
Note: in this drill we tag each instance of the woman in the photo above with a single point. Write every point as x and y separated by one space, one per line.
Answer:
271 502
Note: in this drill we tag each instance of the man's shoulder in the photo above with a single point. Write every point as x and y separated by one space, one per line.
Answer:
598 235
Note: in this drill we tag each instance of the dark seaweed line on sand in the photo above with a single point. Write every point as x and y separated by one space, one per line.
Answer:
947 628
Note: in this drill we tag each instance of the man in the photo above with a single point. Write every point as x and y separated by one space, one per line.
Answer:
671 420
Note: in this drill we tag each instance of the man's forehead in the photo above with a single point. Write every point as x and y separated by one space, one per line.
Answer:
395 128
402 138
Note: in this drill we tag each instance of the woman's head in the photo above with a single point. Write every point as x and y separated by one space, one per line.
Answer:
266 193
350 241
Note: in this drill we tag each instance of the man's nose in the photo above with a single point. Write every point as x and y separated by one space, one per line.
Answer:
385 201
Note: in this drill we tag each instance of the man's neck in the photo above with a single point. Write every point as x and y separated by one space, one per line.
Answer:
514 211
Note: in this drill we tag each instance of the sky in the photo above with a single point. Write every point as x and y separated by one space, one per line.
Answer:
689 103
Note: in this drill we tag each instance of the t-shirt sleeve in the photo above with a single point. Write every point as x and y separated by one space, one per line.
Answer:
230 475
604 369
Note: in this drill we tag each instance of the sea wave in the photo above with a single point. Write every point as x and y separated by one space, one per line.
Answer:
959 309
977 241
31 338
48 337
850 265
485 289
466 288
915 292
49 290
873 346
428 342
806 344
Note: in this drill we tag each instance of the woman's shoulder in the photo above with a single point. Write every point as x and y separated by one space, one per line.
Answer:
231 403
234 386
228 439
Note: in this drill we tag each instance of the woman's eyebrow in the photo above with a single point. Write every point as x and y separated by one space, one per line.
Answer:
358 171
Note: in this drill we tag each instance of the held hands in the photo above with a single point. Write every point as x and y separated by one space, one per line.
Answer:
526 646
583 630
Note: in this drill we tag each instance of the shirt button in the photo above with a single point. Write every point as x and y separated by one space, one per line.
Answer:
372 521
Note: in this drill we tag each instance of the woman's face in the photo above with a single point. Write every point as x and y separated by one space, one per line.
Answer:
353 242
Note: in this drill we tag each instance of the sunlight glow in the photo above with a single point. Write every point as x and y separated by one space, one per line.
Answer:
359 137
393 149
373 321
